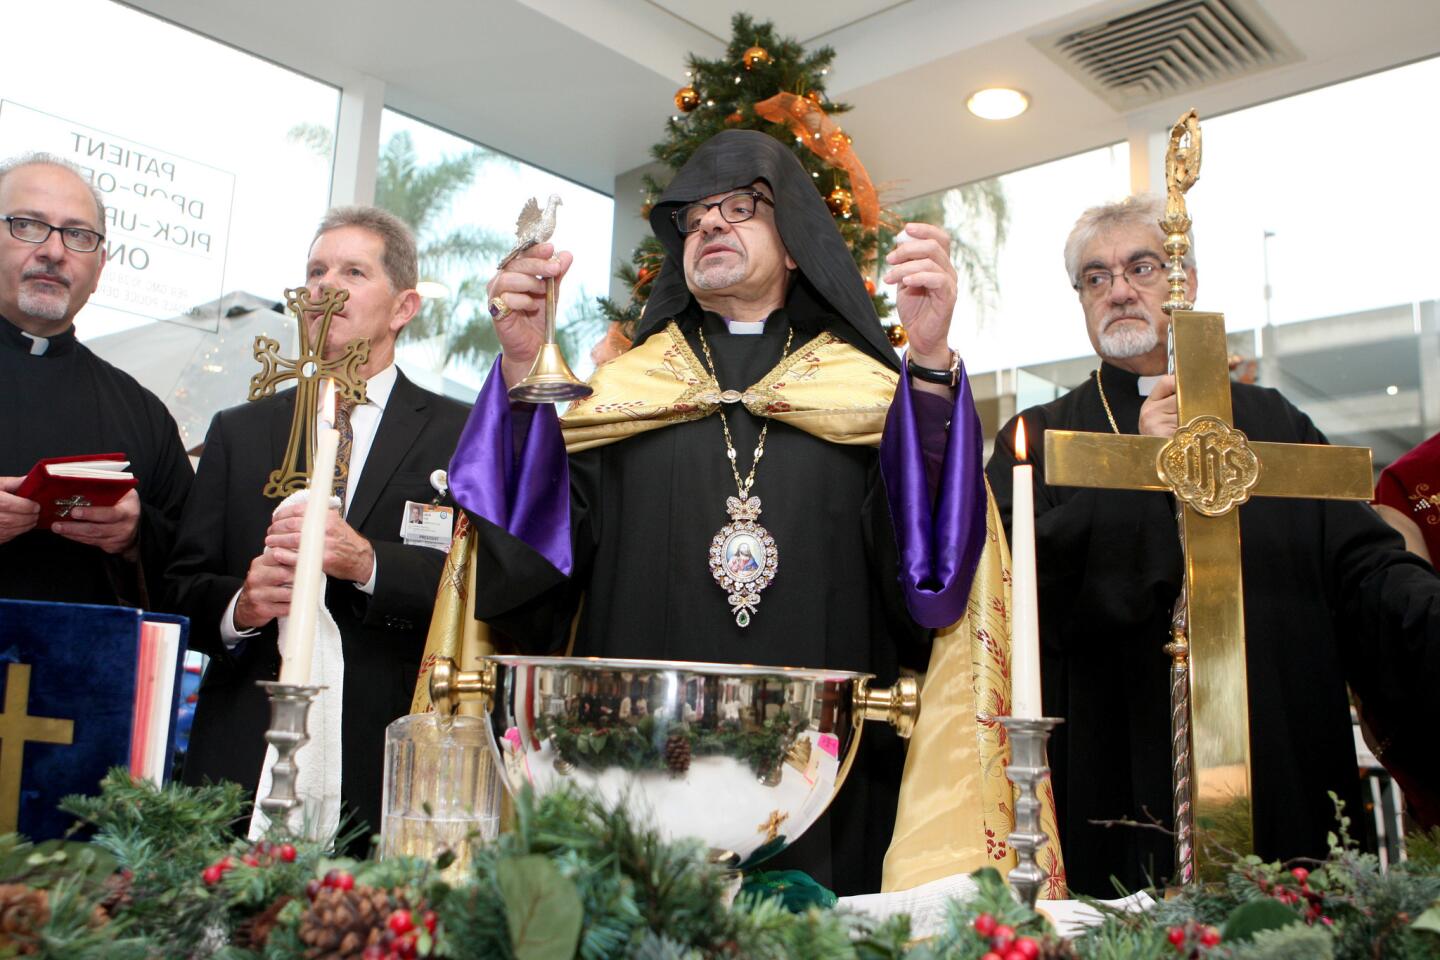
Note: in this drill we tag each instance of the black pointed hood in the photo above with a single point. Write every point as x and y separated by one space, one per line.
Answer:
735 159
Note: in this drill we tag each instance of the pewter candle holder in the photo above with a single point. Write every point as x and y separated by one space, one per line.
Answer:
1027 770
288 732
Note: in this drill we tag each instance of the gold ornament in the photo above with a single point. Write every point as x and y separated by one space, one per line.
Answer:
898 336
755 55
686 99
840 201
869 288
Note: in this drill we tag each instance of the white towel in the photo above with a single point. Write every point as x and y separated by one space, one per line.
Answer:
317 780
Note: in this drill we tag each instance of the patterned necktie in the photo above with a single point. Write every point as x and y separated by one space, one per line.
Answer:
342 455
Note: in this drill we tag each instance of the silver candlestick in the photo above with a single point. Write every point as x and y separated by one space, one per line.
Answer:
1027 770
288 732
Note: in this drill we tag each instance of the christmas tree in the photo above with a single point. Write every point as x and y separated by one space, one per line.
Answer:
772 84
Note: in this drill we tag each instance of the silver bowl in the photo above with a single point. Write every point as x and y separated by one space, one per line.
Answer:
746 758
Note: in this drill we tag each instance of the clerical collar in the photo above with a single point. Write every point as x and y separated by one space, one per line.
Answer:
1146 384
745 326
16 339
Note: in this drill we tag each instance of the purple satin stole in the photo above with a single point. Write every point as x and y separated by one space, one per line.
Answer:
939 546
531 499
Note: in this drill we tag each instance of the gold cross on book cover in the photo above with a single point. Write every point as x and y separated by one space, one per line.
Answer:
307 370
1211 468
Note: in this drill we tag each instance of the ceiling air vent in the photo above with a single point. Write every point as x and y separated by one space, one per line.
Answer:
1167 49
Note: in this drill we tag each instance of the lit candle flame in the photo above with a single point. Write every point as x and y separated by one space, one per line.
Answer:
327 403
1020 439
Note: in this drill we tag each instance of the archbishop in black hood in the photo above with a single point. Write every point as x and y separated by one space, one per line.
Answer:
597 532
733 160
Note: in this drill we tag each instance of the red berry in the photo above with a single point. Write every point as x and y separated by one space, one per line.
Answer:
373 952
984 924
1027 948
1300 874
404 946
250 860
431 919
312 888
400 921
1209 937
1177 937
212 874
345 881
332 878
1326 920
992 955
287 852
1002 937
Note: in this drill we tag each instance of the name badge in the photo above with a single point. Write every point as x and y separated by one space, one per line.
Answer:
427 525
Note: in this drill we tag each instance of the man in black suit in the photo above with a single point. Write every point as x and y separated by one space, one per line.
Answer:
233 565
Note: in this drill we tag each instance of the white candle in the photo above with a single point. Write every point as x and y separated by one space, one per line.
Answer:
308 591
1024 610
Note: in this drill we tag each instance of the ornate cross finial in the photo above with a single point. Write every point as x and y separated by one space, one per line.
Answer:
307 370
1182 169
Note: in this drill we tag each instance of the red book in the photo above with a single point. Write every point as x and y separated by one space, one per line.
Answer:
59 484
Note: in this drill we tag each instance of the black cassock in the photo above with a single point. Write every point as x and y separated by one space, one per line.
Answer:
1331 597
643 511
68 402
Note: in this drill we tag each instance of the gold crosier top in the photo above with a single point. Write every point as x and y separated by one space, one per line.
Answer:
825 387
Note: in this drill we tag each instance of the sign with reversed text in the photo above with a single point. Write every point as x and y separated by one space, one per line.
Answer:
167 217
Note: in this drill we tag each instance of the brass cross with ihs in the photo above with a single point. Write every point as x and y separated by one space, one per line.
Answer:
307 370
1211 468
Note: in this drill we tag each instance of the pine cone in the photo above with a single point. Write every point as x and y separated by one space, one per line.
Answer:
340 924
117 893
251 933
677 753
23 912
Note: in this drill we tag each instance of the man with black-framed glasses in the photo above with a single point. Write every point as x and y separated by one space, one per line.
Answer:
59 399
762 478
1331 597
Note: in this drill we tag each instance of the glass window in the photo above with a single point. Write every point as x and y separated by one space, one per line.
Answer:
1028 314
463 199
1313 227
211 204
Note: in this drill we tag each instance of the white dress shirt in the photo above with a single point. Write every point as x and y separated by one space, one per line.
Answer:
364 422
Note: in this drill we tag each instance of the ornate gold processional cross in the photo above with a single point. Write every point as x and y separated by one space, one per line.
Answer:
307 370
1211 468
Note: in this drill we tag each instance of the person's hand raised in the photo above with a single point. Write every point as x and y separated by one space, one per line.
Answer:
520 324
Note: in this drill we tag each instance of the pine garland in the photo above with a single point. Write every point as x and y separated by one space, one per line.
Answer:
164 876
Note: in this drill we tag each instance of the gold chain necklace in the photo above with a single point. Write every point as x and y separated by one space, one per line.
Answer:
1105 401
743 556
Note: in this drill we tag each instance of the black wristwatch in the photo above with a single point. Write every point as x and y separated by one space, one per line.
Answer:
945 378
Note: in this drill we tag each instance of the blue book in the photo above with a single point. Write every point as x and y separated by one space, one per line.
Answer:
70 674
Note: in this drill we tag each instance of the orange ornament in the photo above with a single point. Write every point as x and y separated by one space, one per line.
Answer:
686 99
870 288
733 119
898 336
755 55
840 201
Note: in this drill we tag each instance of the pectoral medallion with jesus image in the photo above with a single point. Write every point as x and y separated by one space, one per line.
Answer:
743 557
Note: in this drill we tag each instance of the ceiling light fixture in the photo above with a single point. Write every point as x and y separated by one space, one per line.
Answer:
997 103
431 290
